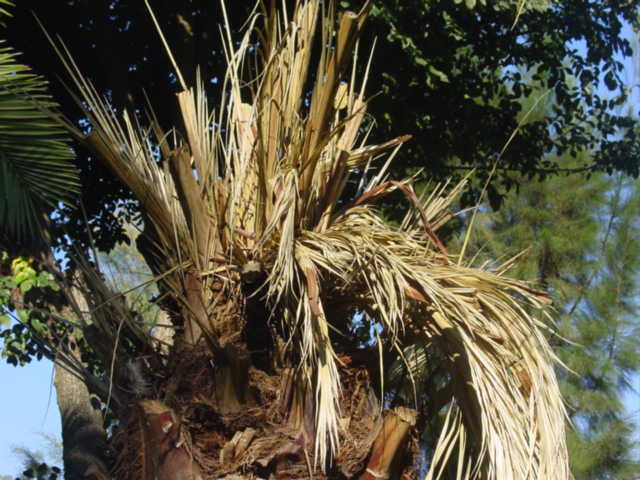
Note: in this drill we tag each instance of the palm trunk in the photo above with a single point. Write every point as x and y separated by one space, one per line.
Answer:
83 437
250 415
200 439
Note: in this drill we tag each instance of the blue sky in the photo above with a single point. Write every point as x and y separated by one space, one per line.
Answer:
27 407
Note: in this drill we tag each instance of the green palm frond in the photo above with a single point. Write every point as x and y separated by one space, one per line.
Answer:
35 167
261 184
3 11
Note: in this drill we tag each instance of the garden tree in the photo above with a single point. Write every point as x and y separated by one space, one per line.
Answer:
42 314
289 297
36 175
447 73
456 78
82 424
581 244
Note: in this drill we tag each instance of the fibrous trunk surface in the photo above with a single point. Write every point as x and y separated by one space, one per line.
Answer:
213 420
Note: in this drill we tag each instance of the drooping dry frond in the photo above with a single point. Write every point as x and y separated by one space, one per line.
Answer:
260 188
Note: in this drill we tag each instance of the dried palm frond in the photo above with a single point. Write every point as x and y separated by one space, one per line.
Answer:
260 187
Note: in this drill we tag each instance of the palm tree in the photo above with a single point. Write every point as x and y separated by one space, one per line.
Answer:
35 153
310 338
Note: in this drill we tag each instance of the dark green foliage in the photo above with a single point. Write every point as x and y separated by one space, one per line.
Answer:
40 471
22 323
606 322
456 79
451 75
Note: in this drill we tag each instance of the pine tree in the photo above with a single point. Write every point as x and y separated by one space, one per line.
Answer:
580 238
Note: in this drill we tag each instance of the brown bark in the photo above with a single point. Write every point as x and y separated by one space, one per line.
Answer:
83 436
192 434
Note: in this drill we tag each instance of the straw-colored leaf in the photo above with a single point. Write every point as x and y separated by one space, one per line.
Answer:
263 183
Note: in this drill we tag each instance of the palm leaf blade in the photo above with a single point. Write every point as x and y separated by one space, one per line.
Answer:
34 150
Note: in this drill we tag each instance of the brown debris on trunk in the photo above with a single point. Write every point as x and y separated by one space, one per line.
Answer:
197 437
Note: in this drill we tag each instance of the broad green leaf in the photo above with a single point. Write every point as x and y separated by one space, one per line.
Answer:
23 315
38 325
27 285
